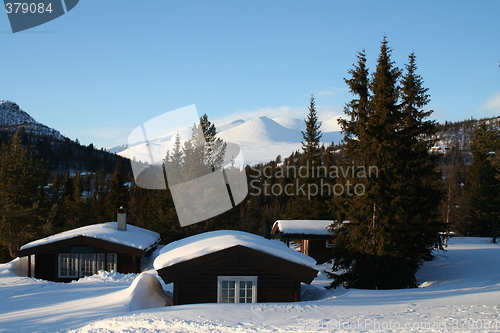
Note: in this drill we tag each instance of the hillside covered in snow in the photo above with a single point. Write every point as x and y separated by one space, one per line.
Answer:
260 139
459 291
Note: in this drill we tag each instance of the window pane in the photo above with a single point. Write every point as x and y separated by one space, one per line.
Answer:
227 291
101 261
111 262
246 291
87 264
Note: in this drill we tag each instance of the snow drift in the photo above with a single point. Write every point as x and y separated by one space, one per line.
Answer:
146 292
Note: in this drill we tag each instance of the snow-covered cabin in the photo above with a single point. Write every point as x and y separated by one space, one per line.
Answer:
233 267
84 251
314 236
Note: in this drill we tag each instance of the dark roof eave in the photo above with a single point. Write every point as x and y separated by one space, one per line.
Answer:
182 269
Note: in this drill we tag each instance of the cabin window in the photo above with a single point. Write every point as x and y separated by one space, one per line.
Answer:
68 265
106 262
87 264
111 264
237 289
76 265
329 243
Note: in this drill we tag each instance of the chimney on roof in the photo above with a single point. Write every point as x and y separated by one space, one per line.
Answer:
121 219
267 230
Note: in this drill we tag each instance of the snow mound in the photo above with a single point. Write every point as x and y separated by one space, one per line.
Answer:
146 292
108 277
209 242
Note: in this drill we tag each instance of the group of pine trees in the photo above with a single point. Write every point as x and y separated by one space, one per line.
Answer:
381 235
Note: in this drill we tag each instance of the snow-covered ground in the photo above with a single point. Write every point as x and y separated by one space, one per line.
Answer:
460 291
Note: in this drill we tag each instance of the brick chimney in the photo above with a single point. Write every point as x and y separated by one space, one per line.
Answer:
121 219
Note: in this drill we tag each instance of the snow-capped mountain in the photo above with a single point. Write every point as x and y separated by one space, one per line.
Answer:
291 123
12 118
260 139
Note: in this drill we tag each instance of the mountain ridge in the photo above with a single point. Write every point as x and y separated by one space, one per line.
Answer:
261 139
58 153
13 119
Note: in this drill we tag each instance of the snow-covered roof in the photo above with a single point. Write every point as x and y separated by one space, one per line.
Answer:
303 227
210 242
135 237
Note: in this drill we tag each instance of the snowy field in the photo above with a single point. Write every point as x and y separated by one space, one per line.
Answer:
460 291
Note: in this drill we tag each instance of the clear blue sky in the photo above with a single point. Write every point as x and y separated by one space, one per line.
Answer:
109 65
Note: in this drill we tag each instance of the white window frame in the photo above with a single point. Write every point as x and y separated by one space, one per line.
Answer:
64 259
236 280
329 243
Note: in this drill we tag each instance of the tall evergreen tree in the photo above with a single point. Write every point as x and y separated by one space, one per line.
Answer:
312 134
215 148
391 225
309 204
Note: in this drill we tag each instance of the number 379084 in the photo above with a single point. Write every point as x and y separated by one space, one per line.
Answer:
24 7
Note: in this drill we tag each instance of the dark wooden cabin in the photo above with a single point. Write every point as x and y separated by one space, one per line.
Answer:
232 269
312 236
84 251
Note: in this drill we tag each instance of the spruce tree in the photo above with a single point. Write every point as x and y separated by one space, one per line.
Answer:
312 134
391 216
312 202
215 148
